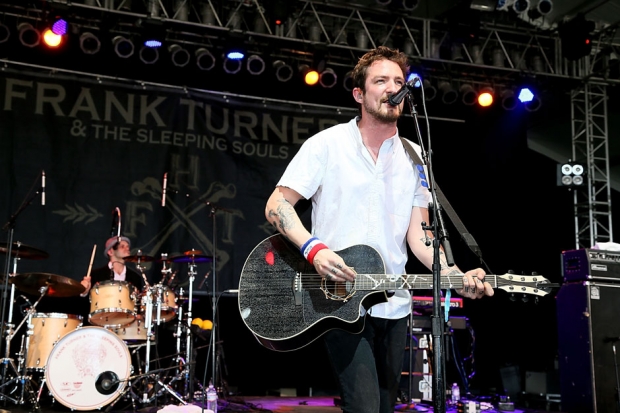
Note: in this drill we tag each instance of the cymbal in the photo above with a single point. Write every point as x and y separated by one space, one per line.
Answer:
192 258
193 252
23 251
59 286
140 258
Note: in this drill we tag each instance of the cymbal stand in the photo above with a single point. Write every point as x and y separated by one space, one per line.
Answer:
189 365
7 360
23 379
9 226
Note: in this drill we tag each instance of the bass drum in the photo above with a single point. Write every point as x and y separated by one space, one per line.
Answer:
88 368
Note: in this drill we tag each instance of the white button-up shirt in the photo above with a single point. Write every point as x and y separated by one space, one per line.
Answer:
358 201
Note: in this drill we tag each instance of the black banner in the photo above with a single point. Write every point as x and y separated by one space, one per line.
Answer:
105 144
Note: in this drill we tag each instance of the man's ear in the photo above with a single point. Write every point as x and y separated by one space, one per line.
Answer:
357 94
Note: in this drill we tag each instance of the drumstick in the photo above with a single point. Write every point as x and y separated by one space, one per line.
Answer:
92 258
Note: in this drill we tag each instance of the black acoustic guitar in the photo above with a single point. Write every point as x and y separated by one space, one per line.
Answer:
287 305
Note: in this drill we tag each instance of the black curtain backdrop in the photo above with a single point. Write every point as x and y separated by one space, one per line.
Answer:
105 144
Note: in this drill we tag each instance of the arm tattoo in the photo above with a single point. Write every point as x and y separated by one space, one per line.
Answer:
285 214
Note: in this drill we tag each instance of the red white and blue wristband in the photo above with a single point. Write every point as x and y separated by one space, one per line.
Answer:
311 247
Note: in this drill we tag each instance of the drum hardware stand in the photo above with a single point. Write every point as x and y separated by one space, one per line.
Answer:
9 226
23 379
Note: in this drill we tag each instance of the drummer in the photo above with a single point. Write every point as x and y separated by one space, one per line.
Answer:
116 249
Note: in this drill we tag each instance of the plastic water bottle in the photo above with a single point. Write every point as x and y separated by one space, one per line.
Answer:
211 398
456 393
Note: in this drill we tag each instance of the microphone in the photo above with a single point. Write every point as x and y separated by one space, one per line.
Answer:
163 190
43 188
398 97
25 299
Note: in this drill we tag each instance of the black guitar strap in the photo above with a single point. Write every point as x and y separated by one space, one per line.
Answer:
443 201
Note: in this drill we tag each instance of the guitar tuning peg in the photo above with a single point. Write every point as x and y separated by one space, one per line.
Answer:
536 300
534 273
511 272
525 298
512 297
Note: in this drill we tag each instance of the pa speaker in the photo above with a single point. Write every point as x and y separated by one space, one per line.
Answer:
588 325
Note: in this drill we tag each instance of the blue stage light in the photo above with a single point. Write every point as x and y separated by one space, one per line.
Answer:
412 75
235 55
525 95
152 43
60 27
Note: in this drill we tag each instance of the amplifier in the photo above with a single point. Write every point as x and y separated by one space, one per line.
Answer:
591 264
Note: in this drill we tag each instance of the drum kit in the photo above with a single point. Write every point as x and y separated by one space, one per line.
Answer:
89 367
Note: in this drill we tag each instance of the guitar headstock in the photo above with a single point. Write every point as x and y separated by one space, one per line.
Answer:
535 284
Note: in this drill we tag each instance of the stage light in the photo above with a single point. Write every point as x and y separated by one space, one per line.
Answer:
232 66
413 75
51 39
509 100
235 48
180 57
28 35
89 43
543 7
525 95
347 82
255 65
576 37
521 6
570 174
204 59
60 27
328 78
486 97
310 76
534 104
5 33
123 47
284 72
410 5
468 94
429 90
152 43
149 55
448 94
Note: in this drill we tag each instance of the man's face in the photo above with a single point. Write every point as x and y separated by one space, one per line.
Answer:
384 78
120 252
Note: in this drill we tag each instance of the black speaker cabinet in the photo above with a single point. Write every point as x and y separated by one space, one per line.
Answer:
588 322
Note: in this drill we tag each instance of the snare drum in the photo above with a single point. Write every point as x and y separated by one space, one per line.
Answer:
164 298
88 368
112 303
48 328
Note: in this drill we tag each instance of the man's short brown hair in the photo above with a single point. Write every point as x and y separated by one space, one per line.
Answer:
380 53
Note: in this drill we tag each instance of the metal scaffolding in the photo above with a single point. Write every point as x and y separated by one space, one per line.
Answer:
495 50
590 144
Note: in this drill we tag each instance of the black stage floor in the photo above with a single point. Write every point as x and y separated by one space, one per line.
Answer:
273 404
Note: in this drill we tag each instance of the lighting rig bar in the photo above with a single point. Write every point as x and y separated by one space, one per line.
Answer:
502 50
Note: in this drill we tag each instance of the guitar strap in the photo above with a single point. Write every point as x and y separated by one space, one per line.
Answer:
443 201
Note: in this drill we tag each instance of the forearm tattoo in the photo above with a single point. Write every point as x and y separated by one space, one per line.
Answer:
283 217
443 263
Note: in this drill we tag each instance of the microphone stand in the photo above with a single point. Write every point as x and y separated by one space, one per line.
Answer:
439 237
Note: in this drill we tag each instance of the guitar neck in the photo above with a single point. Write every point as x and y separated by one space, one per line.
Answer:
412 281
